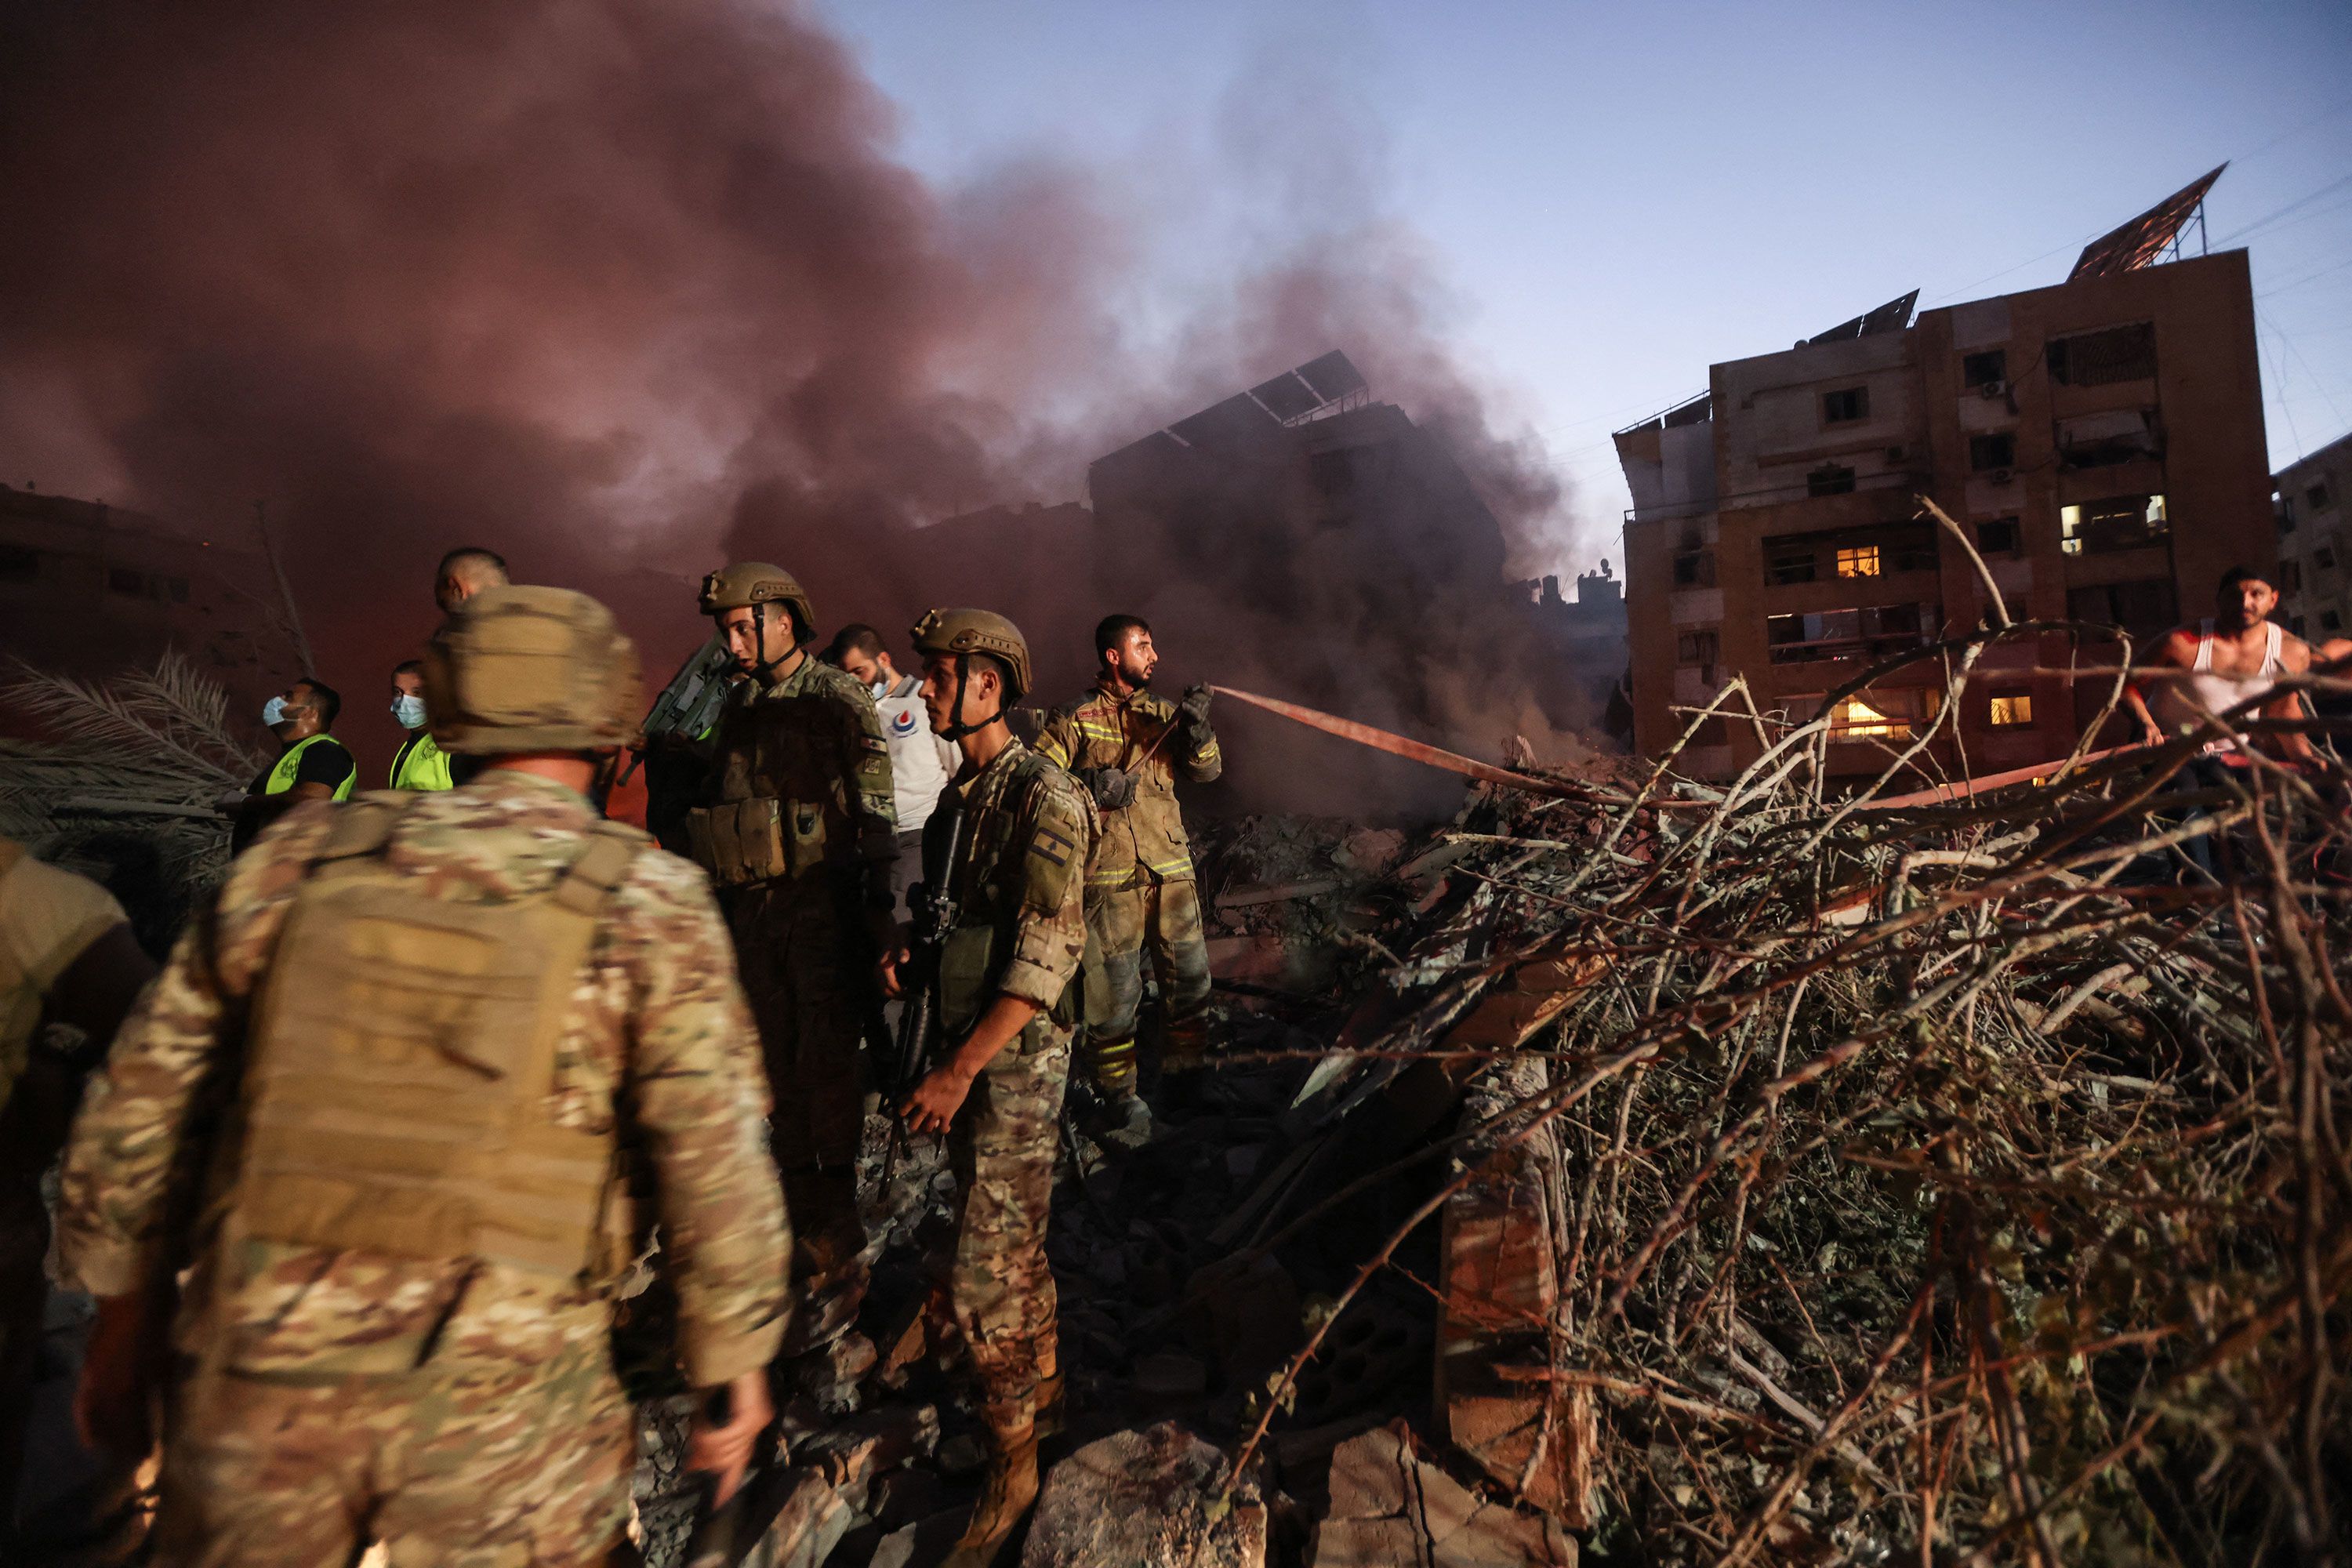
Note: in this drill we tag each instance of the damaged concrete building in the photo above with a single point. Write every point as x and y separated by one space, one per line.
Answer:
2101 441
2315 547
1308 538
87 589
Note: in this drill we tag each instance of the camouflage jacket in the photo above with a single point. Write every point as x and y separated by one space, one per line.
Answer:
813 742
656 1046
1146 837
1020 923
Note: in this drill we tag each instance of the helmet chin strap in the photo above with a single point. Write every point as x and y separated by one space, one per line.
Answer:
958 726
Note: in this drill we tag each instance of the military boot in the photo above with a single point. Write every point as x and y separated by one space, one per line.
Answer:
1006 1492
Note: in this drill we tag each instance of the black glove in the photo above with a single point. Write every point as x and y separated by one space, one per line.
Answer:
1194 712
1112 787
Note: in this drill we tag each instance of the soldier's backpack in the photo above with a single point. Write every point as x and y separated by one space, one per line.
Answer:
400 1061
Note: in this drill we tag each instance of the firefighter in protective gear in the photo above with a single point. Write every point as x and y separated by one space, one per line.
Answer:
456 1034
1128 745
800 834
1006 1011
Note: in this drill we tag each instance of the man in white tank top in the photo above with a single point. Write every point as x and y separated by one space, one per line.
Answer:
2231 656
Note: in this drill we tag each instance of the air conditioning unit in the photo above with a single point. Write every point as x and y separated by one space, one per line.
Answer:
1991 389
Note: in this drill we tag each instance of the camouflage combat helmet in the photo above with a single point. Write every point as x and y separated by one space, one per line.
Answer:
531 669
751 582
956 632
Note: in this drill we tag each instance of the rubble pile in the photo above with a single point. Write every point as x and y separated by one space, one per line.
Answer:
1756 1174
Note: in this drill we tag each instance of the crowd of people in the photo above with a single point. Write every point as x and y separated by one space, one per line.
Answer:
357 1177
360 1167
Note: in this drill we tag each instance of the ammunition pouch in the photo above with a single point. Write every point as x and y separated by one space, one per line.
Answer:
967 965
757 840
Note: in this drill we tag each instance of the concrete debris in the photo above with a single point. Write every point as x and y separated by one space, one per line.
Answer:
1389 1507
1153 1498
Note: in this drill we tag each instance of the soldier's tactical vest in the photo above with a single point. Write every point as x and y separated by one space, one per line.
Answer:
781 811
988 893
400 1062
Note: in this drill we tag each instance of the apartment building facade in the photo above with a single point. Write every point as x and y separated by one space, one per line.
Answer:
88 590
2314 542
2100 442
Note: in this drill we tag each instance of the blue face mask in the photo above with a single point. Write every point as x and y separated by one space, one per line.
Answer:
273 713
409 710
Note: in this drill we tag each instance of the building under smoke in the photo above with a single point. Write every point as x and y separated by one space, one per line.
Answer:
1304 537
88 590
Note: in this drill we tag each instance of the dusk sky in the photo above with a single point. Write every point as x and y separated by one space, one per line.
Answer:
1608 199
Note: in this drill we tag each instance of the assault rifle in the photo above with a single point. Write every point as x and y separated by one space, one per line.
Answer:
690 703
933 906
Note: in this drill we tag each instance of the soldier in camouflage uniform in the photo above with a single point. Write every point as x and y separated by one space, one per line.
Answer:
1128 745
389 1099
800 838
1005 968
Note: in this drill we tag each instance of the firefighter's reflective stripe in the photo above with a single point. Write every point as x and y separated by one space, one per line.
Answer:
281 778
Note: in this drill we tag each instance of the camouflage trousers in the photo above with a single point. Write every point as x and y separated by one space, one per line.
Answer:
1002 1146
806 975
478 1464
1148 921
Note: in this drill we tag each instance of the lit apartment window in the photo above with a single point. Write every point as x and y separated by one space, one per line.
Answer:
1695 647
2317 497
1997 537
1984 369
1879 715
1846 406
1859 562
2119 522
1830 481
1996 451
2013 709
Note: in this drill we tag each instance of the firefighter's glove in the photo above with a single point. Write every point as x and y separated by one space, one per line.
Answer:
1112 788
1193 712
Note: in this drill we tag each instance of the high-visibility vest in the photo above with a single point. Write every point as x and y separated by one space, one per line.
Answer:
281 778
420 765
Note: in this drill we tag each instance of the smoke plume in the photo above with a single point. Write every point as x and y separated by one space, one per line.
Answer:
615 288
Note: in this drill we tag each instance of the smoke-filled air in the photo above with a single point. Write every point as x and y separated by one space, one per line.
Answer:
622 290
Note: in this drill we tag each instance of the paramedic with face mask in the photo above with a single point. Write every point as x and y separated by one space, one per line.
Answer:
920 762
